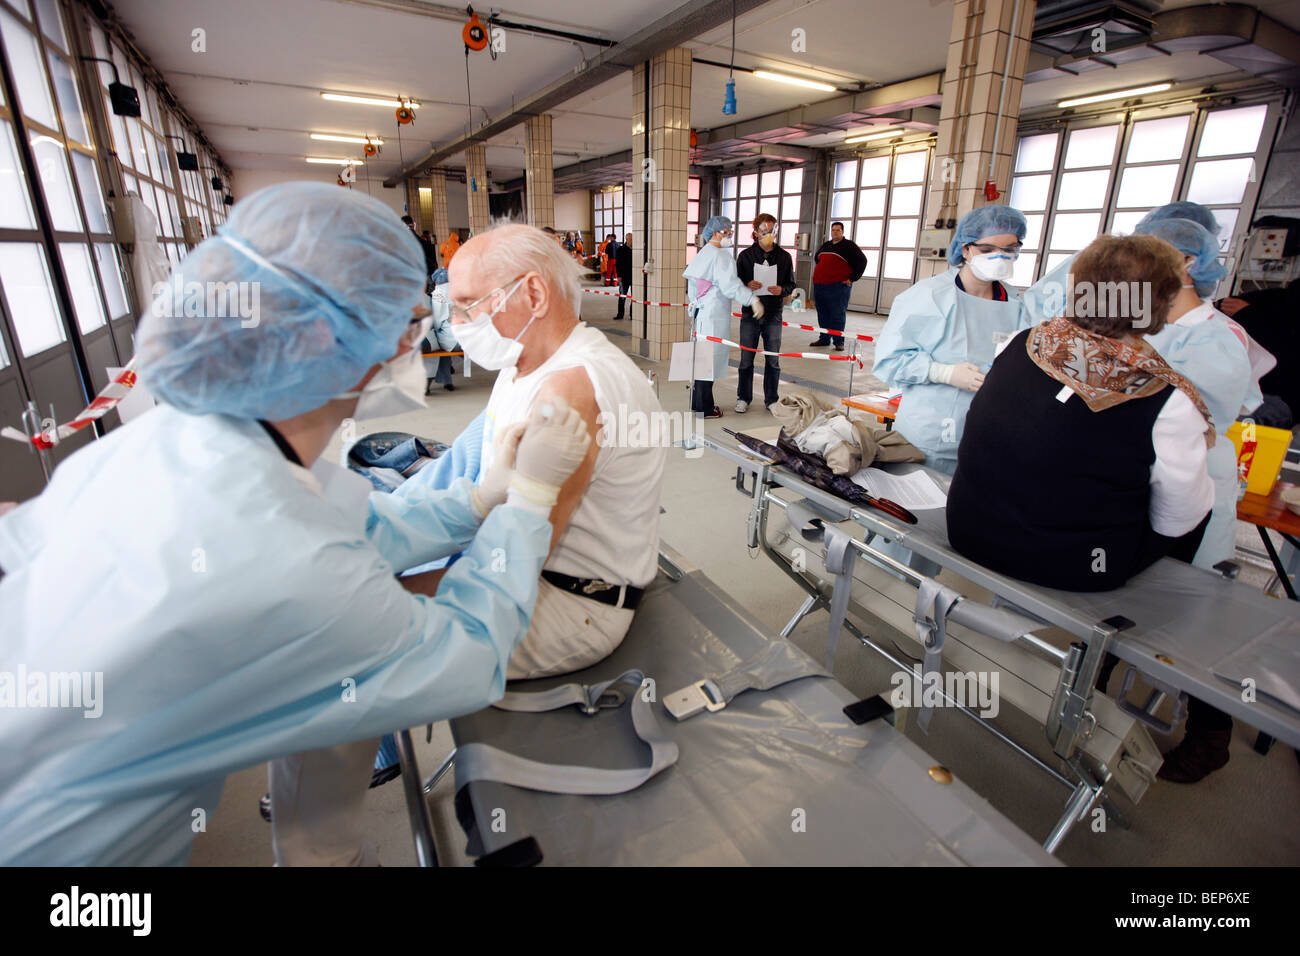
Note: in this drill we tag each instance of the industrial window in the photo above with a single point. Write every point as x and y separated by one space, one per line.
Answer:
774 191
880 199
1075 182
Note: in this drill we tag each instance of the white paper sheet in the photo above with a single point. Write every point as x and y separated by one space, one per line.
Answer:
765 274
916 491
679 362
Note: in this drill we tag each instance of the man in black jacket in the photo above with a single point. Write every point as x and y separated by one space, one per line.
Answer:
763 252
623 264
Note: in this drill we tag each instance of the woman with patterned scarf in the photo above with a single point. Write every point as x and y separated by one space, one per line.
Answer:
1083 461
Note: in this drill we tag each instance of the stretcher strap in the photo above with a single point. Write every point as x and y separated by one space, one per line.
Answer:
934 602
840 558
477 761
776 664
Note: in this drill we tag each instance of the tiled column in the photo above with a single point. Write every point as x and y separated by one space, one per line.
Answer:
435 202
539 173
667 116
970 133
413 202
476 183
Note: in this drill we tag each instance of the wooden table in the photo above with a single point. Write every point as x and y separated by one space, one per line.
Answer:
877 403
1271 513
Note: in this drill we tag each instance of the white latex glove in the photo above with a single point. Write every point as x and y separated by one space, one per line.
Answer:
493 489
553 447
963 375
757 307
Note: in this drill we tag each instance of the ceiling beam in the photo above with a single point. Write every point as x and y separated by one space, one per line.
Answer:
684 23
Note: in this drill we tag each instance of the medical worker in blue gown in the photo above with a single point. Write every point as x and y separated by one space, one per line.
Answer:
222 595
1045 299
1208 348
942 332
712 285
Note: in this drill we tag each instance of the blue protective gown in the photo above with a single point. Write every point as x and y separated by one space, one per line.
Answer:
1045 299
715 266
1202 347
236 615
934 321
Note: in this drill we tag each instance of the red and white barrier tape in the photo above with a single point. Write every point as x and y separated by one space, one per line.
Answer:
807 355
737 315
103 403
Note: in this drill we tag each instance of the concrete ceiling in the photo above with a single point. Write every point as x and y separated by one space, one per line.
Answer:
256 89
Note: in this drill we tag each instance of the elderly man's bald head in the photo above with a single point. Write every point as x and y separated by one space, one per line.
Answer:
503 253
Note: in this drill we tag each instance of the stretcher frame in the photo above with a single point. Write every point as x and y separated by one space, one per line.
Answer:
1071 718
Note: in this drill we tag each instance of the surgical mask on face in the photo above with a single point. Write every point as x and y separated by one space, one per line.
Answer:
993 266
766 240
397 387
484 345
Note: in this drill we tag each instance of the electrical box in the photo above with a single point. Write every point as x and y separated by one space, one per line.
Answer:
936 239
191 230
123 224
1269 244
801 241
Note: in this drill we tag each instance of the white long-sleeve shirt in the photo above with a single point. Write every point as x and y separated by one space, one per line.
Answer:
1181 489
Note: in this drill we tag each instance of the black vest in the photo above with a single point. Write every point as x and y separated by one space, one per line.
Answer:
1048 491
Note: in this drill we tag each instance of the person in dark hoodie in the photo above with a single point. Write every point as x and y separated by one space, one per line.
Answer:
764 251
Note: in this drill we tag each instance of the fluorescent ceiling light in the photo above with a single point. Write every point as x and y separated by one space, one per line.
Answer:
334 162
1117 95
794 80
347 139
369 100
882 134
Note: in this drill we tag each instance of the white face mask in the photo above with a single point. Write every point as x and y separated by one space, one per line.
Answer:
397 387
993 266
484 345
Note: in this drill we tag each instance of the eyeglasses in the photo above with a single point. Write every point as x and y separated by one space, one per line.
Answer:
462 314
985 249
416 329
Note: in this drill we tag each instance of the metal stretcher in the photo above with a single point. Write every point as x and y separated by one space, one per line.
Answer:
775 777
1185 630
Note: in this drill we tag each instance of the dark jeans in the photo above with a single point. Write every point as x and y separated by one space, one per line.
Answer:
702 397
623 287
769 328
832 301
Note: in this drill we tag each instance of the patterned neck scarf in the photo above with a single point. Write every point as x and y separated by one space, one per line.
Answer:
1105 372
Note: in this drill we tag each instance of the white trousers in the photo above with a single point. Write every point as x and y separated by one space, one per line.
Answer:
318 797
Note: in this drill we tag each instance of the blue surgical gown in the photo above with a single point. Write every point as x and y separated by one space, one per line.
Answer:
934 321
712 284
235 615
1202 347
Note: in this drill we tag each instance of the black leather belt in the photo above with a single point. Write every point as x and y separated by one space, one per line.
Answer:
597 590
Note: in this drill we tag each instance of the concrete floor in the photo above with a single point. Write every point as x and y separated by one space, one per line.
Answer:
1246 813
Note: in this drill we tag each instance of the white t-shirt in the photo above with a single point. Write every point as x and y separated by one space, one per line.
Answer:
613 533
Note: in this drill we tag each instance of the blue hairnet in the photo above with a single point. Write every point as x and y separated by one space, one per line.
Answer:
1191 239
995 220
441 277
715 224
331 278
1181 210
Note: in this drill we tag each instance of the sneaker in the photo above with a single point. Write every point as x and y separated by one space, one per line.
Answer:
264 807
380 777
742 407
716 413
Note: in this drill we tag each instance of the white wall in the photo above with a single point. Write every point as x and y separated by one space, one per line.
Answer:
573 211
245 181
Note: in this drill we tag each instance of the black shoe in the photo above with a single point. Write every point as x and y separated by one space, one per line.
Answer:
1198 756
450 387
819 344
264 807
716 413
428 388
381 777
839 346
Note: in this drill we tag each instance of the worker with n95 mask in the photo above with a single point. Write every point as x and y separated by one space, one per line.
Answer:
943 332
239 603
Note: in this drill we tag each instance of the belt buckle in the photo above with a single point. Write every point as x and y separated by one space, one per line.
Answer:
694 698
611 699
